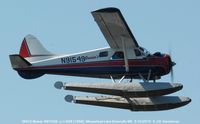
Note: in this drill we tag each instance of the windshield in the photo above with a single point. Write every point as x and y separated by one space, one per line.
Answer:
145 51
141 52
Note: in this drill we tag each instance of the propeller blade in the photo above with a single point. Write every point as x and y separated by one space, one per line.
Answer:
172 75
172 64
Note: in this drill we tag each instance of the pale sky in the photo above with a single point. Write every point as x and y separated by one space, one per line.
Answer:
67 26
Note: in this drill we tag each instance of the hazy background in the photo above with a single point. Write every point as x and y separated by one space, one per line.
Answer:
67 26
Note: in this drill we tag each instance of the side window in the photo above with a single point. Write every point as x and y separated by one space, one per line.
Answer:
103 54
118 55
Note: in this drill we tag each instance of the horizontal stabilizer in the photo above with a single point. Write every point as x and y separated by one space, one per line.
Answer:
133 104
123 89
18 62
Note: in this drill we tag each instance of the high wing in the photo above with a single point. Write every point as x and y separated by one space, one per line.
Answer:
114 28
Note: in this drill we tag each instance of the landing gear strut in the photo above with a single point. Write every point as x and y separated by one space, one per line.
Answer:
113 80
148 77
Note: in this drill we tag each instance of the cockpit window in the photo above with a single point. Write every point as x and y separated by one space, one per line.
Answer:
142 49
141 52
103 54
137 52
118 55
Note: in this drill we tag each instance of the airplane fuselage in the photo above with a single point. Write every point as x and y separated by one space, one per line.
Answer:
100 63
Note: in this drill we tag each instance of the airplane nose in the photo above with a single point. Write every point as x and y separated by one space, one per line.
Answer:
173 63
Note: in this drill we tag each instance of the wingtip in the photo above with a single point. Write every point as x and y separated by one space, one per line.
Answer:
108 9
58 85
69 98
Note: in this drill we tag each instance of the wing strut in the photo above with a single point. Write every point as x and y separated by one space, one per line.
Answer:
125 54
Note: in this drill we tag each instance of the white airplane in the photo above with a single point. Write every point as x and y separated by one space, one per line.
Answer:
123 59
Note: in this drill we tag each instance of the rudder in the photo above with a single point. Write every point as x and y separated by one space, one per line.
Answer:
31 46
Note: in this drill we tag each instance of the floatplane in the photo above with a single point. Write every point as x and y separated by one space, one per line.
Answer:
123 59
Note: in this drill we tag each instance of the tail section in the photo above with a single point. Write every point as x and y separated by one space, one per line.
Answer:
18 62
31 47
21 66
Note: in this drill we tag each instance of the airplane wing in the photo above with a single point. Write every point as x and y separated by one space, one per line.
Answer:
114 28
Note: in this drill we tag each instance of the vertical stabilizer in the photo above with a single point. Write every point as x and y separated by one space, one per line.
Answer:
31 46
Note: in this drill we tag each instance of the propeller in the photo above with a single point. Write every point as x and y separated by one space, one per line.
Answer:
171 66
172 71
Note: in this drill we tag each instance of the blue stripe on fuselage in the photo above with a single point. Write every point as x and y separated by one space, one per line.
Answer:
106 70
